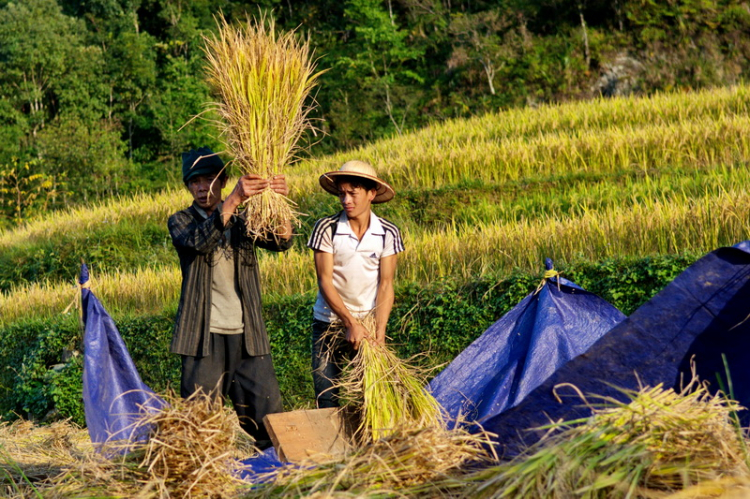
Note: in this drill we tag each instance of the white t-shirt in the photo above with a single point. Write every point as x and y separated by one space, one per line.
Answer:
356 264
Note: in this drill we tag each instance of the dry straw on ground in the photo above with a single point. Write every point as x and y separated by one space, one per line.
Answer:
193 451
722 488
408 462
659 442
31 454
263 82
192 446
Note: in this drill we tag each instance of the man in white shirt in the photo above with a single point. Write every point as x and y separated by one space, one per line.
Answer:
355 261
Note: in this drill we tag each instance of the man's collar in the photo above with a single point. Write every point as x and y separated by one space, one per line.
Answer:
202 212
375 227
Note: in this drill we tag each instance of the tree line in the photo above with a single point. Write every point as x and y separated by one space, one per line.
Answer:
99 97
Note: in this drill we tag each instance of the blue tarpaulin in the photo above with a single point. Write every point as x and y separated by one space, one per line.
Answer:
113 394
520 351
703 316
252 469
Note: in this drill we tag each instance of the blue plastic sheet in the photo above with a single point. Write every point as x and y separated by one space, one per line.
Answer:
113 394
703 316
255 467
521 350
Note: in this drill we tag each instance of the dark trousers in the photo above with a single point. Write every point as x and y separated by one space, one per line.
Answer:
330 352
249 382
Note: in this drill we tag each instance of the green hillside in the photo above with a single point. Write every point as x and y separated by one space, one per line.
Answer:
606 179
622 193
99 97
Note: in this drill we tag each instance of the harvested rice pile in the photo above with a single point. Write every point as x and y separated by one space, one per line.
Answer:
387 393
660 442
405 463
192 452
401 445
193 446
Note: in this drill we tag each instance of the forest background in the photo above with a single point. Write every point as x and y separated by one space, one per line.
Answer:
94 94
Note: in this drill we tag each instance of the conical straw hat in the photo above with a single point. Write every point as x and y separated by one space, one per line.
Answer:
356 168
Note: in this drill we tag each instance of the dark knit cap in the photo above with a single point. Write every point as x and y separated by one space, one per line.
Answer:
209 163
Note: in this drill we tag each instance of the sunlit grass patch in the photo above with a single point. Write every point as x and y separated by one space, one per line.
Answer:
675 223
144 292
124 209
686 130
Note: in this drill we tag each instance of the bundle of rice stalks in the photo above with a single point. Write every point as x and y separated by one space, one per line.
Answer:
406 463
661 441
382 393
191 452
263 81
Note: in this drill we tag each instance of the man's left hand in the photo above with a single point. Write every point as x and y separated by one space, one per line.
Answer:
278 185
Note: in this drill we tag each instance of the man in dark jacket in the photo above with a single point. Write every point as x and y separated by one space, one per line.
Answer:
219 331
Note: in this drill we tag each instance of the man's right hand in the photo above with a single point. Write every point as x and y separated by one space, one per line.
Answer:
356 334
247 186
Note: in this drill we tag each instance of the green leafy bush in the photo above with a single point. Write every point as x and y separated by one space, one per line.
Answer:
32 353
40 372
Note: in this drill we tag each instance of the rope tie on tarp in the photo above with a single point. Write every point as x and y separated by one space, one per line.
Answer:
80 286
549 273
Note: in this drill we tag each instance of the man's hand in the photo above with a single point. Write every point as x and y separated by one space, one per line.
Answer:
278 185
355 334
247 186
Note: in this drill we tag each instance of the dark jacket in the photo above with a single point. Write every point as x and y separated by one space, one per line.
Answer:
195 239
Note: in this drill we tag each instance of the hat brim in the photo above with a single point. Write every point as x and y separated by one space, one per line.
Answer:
328 182
201 170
